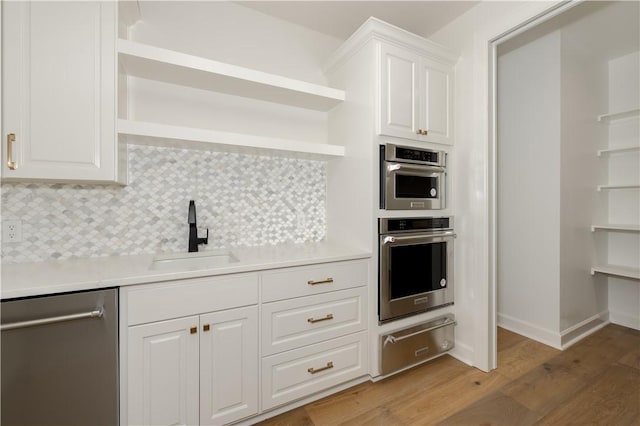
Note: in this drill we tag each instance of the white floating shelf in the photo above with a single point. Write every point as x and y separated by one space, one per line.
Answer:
615 227
144 133
621 150
618 271
155 63
609 187
607 118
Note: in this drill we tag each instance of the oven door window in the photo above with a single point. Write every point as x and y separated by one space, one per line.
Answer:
408 186
416 269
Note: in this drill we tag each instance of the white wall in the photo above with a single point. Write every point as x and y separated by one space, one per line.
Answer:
231 33
529 76
227 32
624 206
471 34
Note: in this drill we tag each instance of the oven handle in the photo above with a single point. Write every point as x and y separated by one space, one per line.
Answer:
392 167
416 238
392 339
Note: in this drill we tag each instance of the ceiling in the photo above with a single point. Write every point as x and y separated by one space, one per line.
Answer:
341 18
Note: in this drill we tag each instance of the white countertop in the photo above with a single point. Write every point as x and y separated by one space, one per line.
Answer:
58 276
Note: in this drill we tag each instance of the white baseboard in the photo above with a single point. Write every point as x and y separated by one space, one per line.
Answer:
625 320
532 331
463 353
584 328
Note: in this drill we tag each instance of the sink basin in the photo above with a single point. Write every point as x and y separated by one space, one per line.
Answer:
191 261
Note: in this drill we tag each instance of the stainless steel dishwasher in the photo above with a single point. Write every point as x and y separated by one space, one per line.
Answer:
60 359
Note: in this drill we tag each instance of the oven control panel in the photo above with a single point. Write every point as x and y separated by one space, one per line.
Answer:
416 224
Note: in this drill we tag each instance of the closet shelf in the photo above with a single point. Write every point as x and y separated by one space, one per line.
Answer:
608 118
619 271
155 63
609 187
615 227
143 133
620 150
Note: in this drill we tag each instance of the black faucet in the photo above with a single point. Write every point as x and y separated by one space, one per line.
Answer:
194 241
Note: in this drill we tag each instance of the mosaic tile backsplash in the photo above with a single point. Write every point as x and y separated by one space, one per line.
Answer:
244 200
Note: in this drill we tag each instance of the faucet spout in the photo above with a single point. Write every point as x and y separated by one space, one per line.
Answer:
194 241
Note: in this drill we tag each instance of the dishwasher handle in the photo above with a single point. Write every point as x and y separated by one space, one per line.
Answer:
52 320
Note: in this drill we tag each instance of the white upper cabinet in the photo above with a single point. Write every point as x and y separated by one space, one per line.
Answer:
399 92
416 95
58 100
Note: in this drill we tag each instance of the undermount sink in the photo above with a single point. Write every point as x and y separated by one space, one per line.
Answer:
191 261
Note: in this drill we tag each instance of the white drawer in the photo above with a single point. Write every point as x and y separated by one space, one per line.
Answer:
156 302
301 372
289 324
308 280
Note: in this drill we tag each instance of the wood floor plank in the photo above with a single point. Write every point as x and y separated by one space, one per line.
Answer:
378 416
360 399
589 357
507 339
496 409
544 388
523 357
295 417
431 407
631 358
612 399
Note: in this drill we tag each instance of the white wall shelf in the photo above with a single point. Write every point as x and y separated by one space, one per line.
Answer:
610 187
615 227
621 150
610 117
155 63
143 133
618 271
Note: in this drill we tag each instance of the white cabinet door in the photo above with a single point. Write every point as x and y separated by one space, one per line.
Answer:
163 373
59 79
228 365
398 103
416 96
436 106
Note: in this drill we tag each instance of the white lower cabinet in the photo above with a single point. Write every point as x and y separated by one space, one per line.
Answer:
195 370
228 366
192 352
163 373
198 369
301 372
316 337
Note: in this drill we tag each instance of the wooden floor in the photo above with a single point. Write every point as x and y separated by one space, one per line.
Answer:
594 382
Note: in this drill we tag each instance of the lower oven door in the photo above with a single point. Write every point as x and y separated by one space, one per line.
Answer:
416 273
412 187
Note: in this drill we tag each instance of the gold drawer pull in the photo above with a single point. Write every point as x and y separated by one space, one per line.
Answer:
11 138
317 370
327 281
193 330
314 320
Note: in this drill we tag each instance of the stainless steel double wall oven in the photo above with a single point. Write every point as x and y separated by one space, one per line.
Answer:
416 265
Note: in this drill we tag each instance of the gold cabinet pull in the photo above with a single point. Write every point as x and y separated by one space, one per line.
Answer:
193 330
425 132
327 281
206 327
314 320
11 138
419 132
317 370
